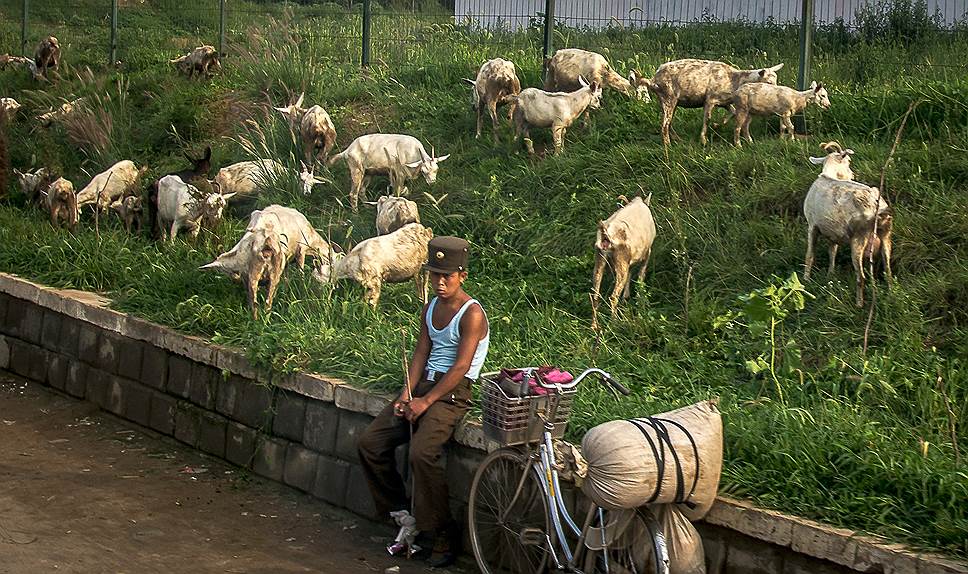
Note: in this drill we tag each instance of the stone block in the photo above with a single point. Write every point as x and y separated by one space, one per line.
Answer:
211 438
179 376
154 367
187 423
270 457
350 398
322 420
142 330
57 371
351 426
28 360
203 386
240 443
4 299
462 464
233 361
107 353
358 498
714 547
4 353
290 416
129 358
163 409
87 343
824 542
331 477
800 564
115 395
76 384
300 471
311 385
25 320
137 402
50 330
253 405
194 348
749 556
98 387
69 336
745 518
227 394
14 316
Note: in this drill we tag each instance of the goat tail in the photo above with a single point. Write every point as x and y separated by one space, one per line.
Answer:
334 158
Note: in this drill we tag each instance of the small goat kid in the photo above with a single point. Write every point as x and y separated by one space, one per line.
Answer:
203 59
66 109
315 127
47 55
555 110
62 204
274 236
623 240
495 85
8 109
392 213
760 99
703 84
401 157
183 206
248 178
32 184
847 212
130 209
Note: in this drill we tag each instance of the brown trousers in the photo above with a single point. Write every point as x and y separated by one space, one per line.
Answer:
431 500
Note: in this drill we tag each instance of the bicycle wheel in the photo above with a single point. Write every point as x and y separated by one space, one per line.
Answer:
631 543
508 516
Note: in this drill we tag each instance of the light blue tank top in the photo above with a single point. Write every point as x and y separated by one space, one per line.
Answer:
443 343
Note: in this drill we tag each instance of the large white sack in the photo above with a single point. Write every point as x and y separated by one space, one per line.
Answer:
683 543
674 457
632 539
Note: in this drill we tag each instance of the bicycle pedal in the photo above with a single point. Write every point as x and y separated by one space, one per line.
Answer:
532 537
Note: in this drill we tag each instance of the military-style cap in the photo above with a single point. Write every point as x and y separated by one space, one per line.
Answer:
447 254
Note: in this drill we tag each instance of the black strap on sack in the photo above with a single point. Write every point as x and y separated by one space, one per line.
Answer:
662 434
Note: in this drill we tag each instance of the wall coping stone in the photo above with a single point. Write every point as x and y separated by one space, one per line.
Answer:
845 547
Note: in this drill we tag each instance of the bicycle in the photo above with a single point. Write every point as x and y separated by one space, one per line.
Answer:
516 514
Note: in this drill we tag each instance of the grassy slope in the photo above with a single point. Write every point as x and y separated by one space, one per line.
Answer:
845 442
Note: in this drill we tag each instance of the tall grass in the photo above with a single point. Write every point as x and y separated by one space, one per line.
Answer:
861 441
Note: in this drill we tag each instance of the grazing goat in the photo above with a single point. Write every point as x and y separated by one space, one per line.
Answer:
183 206
130 210
495 85
393 258
760 99
400 157
700 84
28 63
198 173
66 109
203 59
111 185
623 240
248 178
274 236
32 184
568 65
392 213
62 203
8 109
555 110
315 127
47 55
847 212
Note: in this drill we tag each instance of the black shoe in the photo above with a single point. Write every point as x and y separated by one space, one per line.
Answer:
446 544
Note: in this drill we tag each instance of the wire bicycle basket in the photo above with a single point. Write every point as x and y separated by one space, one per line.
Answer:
513 420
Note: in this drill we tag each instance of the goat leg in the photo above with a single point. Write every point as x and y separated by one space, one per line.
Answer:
858 245
812 233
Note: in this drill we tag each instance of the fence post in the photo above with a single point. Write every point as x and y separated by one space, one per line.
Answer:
365 56
113 52
23 30
806 55
221 28
549 28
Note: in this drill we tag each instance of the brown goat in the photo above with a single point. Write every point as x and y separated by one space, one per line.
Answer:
47 55
62 203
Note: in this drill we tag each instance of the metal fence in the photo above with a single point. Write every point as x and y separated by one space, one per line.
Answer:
425 33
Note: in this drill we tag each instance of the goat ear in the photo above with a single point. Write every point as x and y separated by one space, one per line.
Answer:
470 81
813 86
213 265
414 164
300 100
777 67
817 160
763 73
582 81
632 76
283 110
229 196
208 153
441 158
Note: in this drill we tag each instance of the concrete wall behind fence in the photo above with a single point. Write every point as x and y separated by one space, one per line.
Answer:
302 429
597 14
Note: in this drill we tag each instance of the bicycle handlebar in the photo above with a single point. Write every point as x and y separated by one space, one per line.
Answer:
606 378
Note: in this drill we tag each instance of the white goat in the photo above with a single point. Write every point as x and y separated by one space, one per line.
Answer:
703 84
203 59
183 206
8 109
248 178
569 64
555 110
847 212
760 99
274 236
401 157
496 81
392 213
623 240
315 127
66 109
33 183
111 185
393 258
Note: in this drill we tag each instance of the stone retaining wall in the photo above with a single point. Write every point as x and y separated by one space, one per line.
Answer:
301 430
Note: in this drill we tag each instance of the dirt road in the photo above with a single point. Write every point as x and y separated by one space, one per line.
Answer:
82 491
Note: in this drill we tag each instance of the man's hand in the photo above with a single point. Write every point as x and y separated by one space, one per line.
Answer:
416 407
400 408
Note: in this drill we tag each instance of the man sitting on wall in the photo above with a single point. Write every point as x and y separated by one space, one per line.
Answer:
450 352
